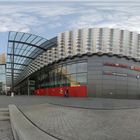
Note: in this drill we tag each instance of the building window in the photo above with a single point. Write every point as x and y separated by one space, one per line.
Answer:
99 48
71 68
82 78
70 74
81 67
72 80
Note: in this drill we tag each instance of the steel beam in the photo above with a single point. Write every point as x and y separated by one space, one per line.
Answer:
27 44
17 64
21 56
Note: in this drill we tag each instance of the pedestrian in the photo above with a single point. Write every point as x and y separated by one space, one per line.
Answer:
67 93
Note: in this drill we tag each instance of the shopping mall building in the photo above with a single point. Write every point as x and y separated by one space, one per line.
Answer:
91 62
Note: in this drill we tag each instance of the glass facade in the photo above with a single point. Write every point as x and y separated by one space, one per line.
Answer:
2 78
22 49
103 76
67 74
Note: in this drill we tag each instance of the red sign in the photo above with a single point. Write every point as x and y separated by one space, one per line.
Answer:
115 65
135 68
121 66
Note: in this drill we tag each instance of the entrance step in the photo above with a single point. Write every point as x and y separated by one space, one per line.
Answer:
4 114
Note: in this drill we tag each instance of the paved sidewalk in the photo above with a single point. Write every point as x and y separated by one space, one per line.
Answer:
21 100
93 103
5 126
69 123
5 131
103 119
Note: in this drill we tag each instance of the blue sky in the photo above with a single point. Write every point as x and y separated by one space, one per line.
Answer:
47 18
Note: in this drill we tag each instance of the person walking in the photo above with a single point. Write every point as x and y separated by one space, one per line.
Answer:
67 93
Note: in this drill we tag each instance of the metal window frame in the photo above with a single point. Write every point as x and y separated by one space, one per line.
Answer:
22 49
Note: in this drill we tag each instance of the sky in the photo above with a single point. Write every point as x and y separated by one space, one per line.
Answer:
48 18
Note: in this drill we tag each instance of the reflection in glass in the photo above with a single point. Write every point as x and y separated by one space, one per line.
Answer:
82 78
71 68
81 67
73 81
66 75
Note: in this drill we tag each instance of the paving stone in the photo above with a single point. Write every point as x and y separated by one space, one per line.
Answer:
5 131
103 119
86 124
23 129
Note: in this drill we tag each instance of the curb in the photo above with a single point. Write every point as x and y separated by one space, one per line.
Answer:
23 129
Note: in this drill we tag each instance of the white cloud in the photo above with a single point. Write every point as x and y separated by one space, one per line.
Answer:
120 17
25 17
38 16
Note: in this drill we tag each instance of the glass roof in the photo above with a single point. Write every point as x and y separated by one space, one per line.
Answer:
22 49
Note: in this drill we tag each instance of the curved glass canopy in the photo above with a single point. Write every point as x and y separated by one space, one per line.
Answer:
21 50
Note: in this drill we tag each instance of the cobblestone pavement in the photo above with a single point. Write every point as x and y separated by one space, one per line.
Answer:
5 131
69 123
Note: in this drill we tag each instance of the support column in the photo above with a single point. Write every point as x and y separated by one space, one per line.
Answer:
12 67
28 87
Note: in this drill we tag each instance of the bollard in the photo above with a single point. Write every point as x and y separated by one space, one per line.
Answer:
12 94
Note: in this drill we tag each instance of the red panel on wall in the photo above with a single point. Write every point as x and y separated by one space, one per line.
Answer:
79 91
115 65
135 68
